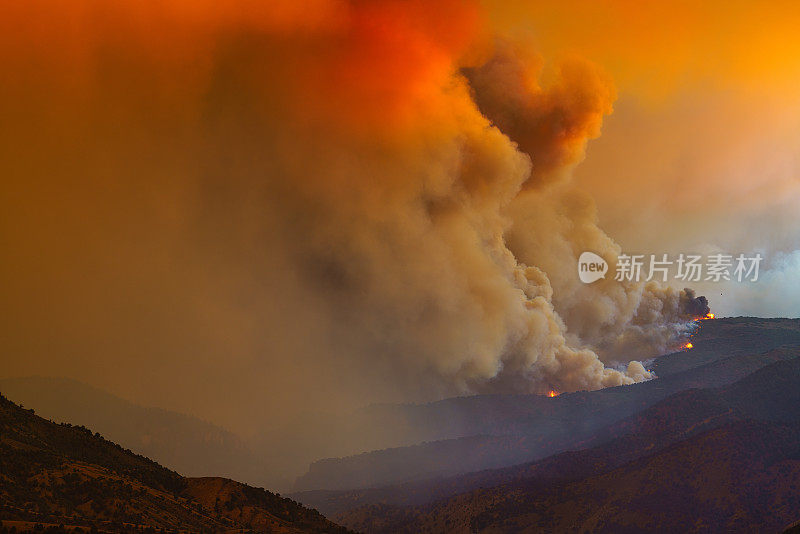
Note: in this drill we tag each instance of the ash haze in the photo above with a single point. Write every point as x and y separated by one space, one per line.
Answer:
246 213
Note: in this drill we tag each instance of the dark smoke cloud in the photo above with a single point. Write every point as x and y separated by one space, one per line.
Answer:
694 306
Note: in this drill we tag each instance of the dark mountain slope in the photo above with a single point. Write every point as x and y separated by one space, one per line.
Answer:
732 336
181 442
742 477
770 394
384 426
61 474
494 431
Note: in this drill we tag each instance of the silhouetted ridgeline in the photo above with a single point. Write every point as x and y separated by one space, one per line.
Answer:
703 460
60 474
493 431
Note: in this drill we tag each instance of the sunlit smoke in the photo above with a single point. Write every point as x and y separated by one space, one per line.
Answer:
354 201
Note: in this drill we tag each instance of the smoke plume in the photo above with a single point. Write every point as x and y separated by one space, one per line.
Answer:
692 305
350 202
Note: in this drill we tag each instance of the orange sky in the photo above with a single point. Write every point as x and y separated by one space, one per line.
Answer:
702 149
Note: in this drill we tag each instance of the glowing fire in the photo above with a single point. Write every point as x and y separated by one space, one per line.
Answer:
552 393
688 346
710 316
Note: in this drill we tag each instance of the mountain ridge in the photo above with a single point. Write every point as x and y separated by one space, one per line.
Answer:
755 422
64 474
771 393
511 429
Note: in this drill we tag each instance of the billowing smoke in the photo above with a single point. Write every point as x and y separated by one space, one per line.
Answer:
551 124
692 305
553 223
353 202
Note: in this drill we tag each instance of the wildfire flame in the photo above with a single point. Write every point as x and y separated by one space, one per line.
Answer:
710 316
552 393
688 346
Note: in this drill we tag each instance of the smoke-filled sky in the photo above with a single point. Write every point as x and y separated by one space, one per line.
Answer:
247 210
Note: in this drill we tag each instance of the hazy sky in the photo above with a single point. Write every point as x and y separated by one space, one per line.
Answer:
252 209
